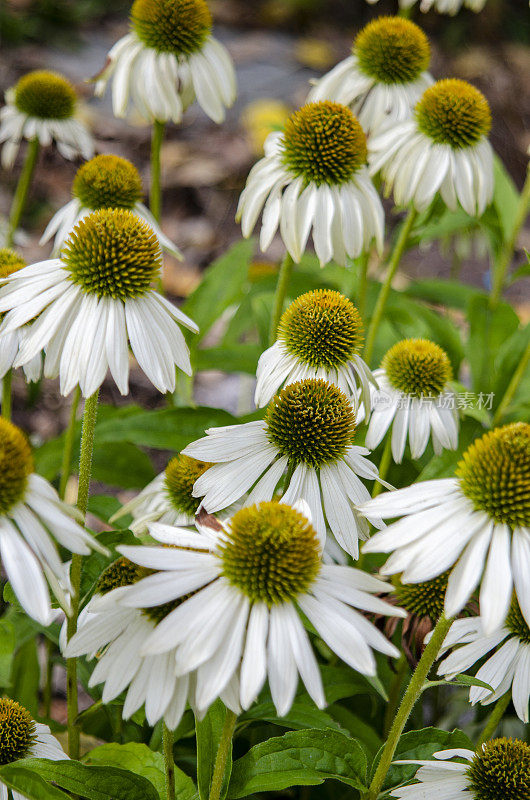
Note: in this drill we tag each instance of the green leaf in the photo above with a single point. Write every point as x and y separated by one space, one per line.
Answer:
29 783
505 198
209 731
122 464
223 284
489 328
141 760
237 358
420 745
26 677
299 758
459 680
452 294
7 652
94 783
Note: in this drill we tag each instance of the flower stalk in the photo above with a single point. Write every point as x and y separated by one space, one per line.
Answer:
411 696
85 471
167 740
66 463
393 264
507 251
223 751
21 193
6 394
494 719
155 196
280 294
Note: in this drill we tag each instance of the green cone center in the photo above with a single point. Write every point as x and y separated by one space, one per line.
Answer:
323 143
417 367
107 181
454 113
322 328
113 253
271 553
46 95
423 599
392 50
495 474
501 771
17 731
311 422
16 465
181 473
180 27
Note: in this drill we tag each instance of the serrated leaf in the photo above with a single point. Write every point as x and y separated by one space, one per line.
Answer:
299 758
29 783
141 760
94 783
420 745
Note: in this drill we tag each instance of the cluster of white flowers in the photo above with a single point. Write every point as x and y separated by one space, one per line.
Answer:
208 607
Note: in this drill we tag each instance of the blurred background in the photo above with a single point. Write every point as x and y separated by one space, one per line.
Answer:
277 46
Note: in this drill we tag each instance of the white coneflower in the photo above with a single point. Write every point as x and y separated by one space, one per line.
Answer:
115 634
314 177
320 335
477 523
308 431
168 498
249 581
32 519
451 7
106 181
384 77
444 148
414 397
94 300
21 737
507 669
500 769
42 106
11 262
167 60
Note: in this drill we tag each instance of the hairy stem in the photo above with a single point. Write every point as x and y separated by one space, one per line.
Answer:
223 752
85 471
169 762
408 702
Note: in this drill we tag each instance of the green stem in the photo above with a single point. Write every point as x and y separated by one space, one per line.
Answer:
155 196
506 254
384 292
363 283
169 762
6 394
223 751
282 285
69 439
408 702
494 718
512 386
85 471
384 465
393 695
21 192
48 685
